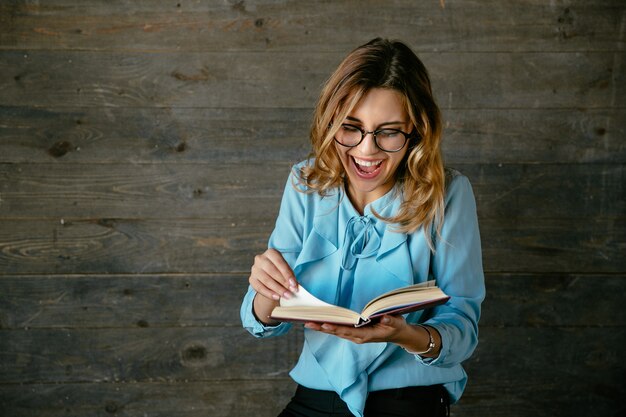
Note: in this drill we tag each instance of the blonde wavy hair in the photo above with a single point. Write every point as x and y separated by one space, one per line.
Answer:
387 64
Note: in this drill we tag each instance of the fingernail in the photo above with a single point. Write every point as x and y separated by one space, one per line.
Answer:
293 283
287 295
386 320
276 297
326 326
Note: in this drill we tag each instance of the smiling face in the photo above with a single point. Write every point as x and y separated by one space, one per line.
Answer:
370 172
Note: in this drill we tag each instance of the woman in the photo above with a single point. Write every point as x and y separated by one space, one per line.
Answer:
372 210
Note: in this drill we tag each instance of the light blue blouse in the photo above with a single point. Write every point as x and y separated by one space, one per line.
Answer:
347 259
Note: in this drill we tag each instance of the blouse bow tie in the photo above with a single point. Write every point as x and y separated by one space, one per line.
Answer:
361 241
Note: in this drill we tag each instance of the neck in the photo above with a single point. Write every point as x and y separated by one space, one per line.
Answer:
361 199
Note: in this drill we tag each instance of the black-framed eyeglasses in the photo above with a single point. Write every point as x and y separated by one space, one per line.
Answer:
388 140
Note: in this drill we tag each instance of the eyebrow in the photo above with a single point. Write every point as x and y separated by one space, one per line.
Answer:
354 119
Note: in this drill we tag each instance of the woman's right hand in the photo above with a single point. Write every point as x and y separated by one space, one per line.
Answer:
271 276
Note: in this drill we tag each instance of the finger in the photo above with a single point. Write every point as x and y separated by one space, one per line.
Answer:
327 327
263 289
394 322
359 336
313 326
266 285
347 332
321 327
283 268
265 270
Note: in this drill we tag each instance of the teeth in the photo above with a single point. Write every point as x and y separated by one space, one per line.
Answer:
367 163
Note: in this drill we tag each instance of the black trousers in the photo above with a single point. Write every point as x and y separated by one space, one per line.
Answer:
429 401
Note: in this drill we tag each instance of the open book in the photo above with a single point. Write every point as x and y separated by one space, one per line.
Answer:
304 306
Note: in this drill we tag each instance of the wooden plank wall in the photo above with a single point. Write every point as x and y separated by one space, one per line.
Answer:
143 150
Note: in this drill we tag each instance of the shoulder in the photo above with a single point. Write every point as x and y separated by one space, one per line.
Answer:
298 178
297 189
457 187
298 171
455 179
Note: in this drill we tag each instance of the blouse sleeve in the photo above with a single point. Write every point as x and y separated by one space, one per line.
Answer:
287 239
456 264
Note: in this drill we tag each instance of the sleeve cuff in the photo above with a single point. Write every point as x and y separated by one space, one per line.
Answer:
256 327
259 329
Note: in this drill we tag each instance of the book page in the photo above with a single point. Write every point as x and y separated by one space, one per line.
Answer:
320 314
411 288
419 296
303 298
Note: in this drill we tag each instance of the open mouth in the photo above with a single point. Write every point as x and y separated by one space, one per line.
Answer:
365 168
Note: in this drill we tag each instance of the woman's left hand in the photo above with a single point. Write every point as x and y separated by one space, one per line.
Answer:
387 329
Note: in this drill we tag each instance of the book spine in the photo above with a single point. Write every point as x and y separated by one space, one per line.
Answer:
362 322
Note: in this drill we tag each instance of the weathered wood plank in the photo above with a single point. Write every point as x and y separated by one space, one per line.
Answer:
587 381
62 301
157 301
553 245
131 246
142 135
155 399
534 136
546 372
547 300
548 191
282 79
215 190
618 79
100 246
312 26
146 354
267 398
151 135
141 191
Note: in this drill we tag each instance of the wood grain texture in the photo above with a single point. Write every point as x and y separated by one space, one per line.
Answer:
313 25
293 79
61 302
121 301
548 371
247 135
218 191
205 245
591 367
553 246
144 354
159 399
554 300
143 191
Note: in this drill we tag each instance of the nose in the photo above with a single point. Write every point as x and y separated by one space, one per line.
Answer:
368 144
